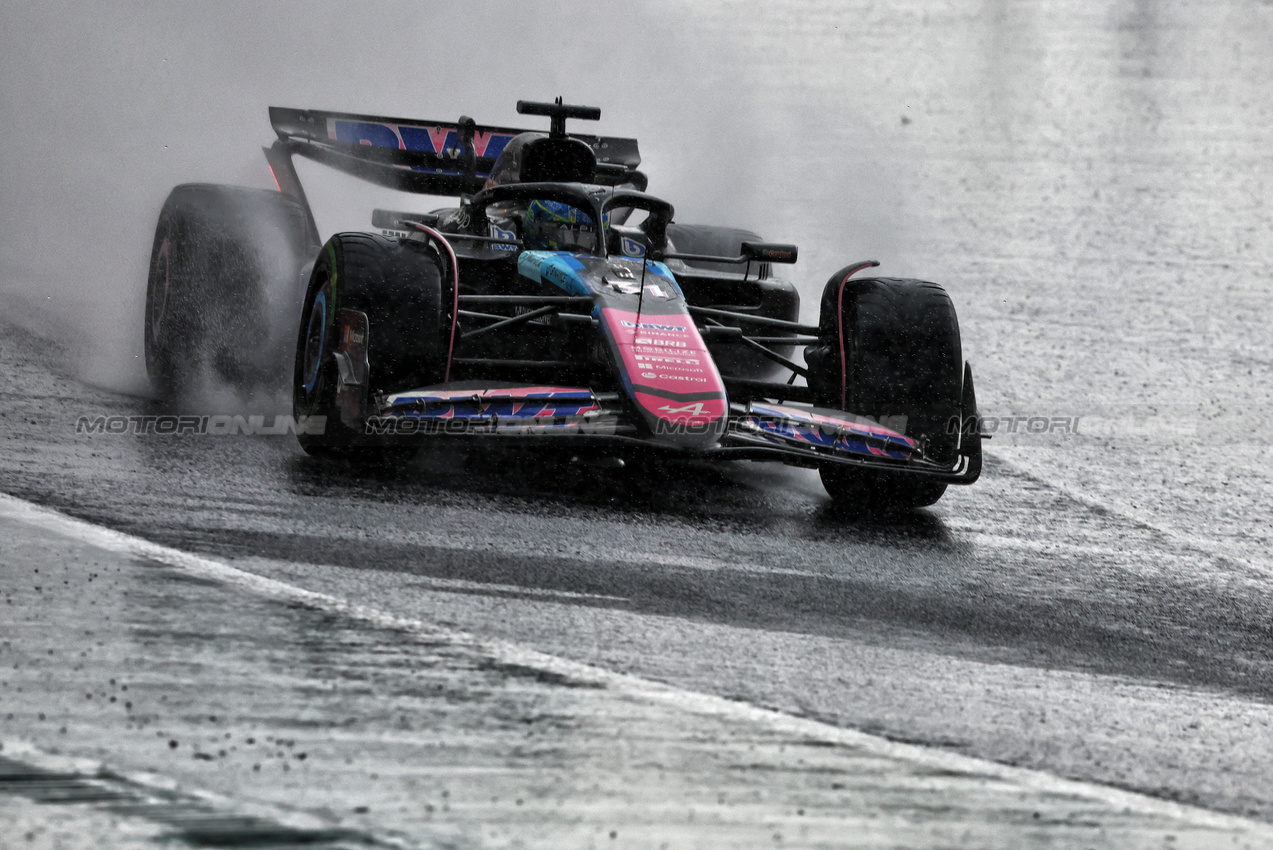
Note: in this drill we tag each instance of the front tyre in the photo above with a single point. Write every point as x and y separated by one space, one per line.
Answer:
890 350
376 304
869 490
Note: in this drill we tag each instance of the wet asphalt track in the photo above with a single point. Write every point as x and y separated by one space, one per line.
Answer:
1010 622
1089 181
188 700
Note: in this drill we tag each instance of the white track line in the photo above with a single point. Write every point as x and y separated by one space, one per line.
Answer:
1203 546
18 510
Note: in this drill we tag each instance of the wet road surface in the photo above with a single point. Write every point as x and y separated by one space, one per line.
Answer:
1089 182
224 709
1011 622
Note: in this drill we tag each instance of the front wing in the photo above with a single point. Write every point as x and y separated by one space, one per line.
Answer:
581 417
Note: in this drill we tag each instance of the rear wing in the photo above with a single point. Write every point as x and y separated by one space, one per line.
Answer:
426 157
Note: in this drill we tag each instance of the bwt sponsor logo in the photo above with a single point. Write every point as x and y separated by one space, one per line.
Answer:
221 425
435 139
651 326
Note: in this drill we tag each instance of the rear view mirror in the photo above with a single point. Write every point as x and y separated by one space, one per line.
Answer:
763 252
391 220
770 252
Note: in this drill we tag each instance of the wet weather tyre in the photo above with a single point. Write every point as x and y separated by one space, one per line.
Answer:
890 349
397 285
874 490
224 286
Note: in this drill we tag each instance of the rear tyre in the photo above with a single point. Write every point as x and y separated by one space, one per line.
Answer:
890 350
224 286
397 286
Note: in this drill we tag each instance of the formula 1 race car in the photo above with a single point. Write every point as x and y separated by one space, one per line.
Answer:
557 304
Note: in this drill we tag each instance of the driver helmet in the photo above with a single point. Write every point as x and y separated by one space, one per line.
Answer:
555 226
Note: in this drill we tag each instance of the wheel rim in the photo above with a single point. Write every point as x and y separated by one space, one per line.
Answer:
315 341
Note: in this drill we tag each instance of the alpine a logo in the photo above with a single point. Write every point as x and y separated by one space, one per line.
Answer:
695 409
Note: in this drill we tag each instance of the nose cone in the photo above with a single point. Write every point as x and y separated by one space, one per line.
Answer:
669 374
